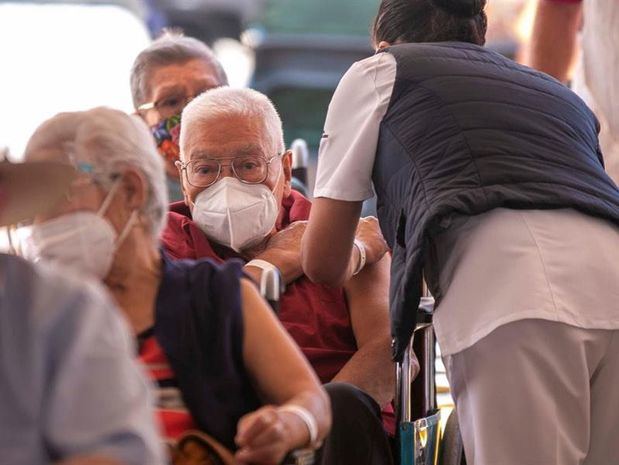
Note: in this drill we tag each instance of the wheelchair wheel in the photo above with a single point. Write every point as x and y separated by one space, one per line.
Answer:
452 449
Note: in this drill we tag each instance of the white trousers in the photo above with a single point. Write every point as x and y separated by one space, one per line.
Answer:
536 392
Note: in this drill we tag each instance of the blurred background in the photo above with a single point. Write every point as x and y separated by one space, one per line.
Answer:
71 55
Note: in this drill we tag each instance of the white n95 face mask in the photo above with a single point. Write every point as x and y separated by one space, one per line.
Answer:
83 241
235 214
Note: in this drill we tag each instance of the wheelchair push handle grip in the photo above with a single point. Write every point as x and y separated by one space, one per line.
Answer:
272 287
300 160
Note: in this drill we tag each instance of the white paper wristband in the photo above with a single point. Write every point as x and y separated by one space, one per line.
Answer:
362 256
262 264
308 418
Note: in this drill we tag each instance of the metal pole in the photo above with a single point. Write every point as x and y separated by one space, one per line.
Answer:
405 384
429 371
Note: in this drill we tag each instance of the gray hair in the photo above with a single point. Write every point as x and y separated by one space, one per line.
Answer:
171 48
226 101
105 141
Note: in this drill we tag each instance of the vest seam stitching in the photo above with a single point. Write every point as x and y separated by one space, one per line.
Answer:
461 134
421 181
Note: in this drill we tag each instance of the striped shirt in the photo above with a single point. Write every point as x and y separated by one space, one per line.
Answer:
174 418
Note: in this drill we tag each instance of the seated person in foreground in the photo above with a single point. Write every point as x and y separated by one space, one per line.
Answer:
236 177
72 392
201 327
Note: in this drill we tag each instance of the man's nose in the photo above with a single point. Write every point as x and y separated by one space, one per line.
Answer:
226 170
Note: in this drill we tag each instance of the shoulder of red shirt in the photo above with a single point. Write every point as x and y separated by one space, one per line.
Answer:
182 238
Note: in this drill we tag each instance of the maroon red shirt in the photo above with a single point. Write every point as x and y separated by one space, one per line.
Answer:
316 316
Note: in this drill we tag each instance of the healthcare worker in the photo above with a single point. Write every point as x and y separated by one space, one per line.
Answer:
490 183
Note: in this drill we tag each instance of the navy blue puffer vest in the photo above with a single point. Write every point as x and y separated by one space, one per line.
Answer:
466 131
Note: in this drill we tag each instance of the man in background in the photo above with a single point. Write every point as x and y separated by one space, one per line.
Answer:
166 76
554 49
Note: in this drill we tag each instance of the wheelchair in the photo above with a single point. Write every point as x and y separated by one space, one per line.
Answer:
419 437
419 440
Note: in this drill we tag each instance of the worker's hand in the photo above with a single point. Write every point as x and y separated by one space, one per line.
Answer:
265 436
369 234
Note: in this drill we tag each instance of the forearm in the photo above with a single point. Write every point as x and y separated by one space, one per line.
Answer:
289 267
553 43
318 405
372 370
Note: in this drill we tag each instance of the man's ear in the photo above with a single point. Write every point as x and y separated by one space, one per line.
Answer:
134 189
287 167
185 195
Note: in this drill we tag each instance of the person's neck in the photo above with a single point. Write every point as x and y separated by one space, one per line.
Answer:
134 279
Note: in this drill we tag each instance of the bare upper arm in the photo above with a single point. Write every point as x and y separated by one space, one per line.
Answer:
553 44
274 362
368 301
328 239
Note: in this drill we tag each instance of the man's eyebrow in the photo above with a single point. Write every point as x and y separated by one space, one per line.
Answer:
249 149
200 155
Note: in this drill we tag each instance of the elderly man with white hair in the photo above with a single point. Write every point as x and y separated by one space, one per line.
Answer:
199 326
236 179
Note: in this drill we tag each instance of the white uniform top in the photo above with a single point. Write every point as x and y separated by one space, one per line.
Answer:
492 269
597 76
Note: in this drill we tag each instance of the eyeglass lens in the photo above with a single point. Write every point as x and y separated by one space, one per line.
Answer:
172 104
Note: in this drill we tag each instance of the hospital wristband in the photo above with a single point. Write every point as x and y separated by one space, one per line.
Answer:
262 264
308 418
362 256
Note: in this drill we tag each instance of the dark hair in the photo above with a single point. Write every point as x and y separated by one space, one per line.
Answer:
171 48
430 21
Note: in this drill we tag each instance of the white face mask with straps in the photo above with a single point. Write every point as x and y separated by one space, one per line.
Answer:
236 214
84 241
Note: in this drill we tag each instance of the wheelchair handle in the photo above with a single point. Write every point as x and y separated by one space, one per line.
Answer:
272 287
300 160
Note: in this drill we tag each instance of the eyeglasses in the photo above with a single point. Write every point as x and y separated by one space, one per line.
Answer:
205 172
169 105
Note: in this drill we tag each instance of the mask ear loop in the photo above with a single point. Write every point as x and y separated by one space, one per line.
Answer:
231 230
108 198
127 229
130 222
